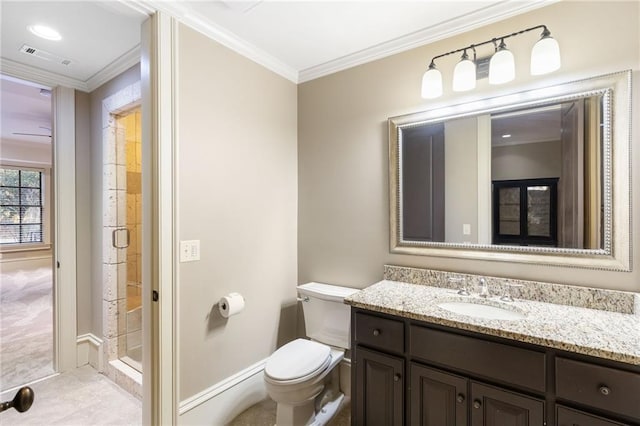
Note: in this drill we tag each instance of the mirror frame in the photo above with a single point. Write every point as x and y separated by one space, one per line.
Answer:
616 254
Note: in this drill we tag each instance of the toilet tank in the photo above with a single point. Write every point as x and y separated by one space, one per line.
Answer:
326 317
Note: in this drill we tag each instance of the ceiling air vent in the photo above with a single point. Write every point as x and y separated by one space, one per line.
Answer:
42 54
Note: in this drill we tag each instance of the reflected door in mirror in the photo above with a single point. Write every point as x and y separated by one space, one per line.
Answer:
423 183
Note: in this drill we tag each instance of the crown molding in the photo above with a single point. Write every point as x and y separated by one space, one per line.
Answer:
114 69
226 38
459 25
50 79
38 75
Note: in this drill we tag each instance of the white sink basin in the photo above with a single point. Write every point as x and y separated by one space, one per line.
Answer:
481 311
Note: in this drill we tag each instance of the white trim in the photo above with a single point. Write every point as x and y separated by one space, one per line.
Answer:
159 362
114 69
459 25
89 351
224 401
64 157
40 76
222 386
51 79
227 38
468 22
462 24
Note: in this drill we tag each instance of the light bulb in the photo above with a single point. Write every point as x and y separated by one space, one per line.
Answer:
464 74
432 83
45 32
545 55
502 67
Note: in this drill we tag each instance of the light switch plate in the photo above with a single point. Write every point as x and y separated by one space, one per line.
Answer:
189 250
466 229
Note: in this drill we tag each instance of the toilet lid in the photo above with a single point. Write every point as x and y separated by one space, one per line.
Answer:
297 359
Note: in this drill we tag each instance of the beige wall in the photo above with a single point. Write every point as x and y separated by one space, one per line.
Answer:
28 154
342 149
237 194
461 179
526 161
118 83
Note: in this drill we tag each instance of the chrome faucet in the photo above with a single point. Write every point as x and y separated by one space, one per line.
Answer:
484 288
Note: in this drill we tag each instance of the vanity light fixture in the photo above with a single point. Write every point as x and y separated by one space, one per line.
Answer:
545 58
45 32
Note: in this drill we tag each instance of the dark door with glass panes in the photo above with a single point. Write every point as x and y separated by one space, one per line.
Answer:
525 212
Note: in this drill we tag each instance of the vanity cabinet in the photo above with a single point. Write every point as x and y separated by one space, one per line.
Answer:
569 417
415 373
381 383
379 375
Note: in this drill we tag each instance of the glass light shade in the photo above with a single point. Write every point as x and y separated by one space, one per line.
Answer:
545 56
502 68
464 76
432 84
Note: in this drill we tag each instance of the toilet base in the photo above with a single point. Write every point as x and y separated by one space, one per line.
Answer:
305 415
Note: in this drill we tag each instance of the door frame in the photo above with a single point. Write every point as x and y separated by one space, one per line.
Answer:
157 68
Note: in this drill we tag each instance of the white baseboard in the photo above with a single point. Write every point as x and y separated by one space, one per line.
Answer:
222 402
89 351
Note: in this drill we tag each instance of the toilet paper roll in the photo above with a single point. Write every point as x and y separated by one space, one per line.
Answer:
231 304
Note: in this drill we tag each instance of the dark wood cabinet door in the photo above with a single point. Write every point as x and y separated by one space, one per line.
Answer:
437 398
569 417
492 406
379 397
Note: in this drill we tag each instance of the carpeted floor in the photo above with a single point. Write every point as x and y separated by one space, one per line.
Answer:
26 326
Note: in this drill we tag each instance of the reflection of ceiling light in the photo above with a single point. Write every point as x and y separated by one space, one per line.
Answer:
45 32
506 135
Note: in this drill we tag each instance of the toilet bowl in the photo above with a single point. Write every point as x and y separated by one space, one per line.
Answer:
301 376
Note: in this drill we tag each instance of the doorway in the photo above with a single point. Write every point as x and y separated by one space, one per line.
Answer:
26 212
122 238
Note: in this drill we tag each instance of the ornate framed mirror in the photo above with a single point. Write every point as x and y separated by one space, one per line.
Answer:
541 176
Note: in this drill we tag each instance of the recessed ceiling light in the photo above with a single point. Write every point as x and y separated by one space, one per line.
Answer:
45 32
506 135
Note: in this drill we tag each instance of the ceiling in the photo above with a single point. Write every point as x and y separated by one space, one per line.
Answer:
300 40
25 109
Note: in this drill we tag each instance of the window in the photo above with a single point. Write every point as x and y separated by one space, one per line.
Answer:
20 206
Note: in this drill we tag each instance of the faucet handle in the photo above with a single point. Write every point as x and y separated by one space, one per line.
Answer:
463 288
508 296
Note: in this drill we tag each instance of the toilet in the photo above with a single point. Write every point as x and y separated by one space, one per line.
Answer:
301 376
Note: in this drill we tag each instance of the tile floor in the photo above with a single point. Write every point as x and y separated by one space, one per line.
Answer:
78 398
84 397
264 414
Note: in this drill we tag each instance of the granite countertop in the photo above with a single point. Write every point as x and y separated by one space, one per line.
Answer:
602 334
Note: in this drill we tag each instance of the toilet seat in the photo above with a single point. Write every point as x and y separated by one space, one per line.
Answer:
298 361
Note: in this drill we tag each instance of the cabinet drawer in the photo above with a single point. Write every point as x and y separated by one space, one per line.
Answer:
383 333
606 388
570 417
516 366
